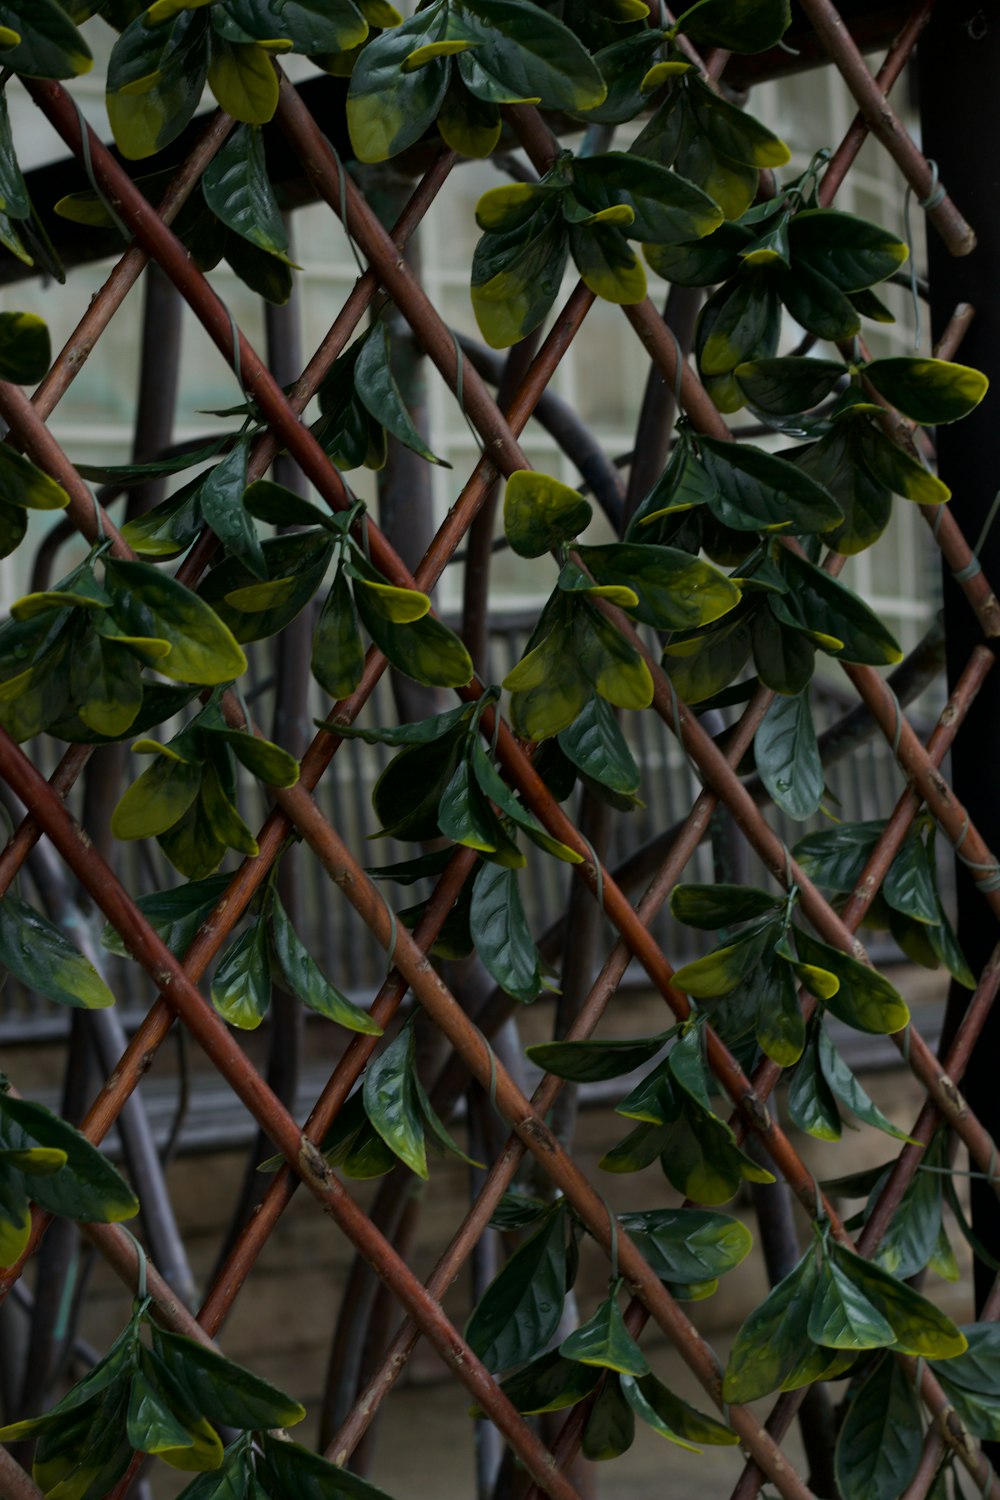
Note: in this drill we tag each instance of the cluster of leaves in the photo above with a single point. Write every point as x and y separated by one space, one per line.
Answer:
166 1397
45 1161
519 1314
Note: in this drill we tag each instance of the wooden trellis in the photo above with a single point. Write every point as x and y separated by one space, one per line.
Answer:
295 810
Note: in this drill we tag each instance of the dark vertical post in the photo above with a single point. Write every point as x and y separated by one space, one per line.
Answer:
959 69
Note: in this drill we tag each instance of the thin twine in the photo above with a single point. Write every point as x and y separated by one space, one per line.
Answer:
990 879
141 1289
934 199
460 390
88 167
342 189
493 1066
973 566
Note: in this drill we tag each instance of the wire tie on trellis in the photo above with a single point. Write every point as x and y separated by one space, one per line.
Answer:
972 567
990 879
937 194
493 1066
342 189
987 526
678 367
141 1290
88 167
460 389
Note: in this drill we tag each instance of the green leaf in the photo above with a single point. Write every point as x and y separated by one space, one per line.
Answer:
879 1445
835 858
672 1418
849 1091
688 1245
865 1000
755 490
594 743
610 1428
714 906
465 816
931 391
591 1060
850 252
520 1309
516 276
87 1188
155 80
238 191
175 915
910 886
550 1383
425 649
24 484
501 934
147 602
338 653
788 385
220 498
529 54
770 1342
724 968
604 1340
607 263
549 686
893 467
823 605
493 786
811 1102
539 512
261 757
295 565
304 1474
376 385
392 1104
223 1390
735 322
407 795
310 26
699 1155
105 684
302 976
38 954
42 41
787 757
704 664
243 80
842 1317
914 1234
919 1327
25 347
737 25
675 590
157 799
241 988
389 109
668 209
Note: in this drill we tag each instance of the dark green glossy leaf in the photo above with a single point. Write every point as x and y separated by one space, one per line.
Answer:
87 1188
704 664
517 1210
251 610
376 385
668 209
492 785
722 970
308 1476
302 976
220 499
223 1390
879 1446
241 988
238 191
587 1061
604 1340
676 591
526 53
842 1317
783 387
760 491
909 885
672 1418
391 1101
826 607
610 1428
771 1340
520 1309
175 915
787 756
850 252
918 1326
408 792
931 391
737 25
388 108
835 858
688 1244
865 999
849 1091
501 934
594 743
425 649
38 954
550 1383
147 602
516 277
714 906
